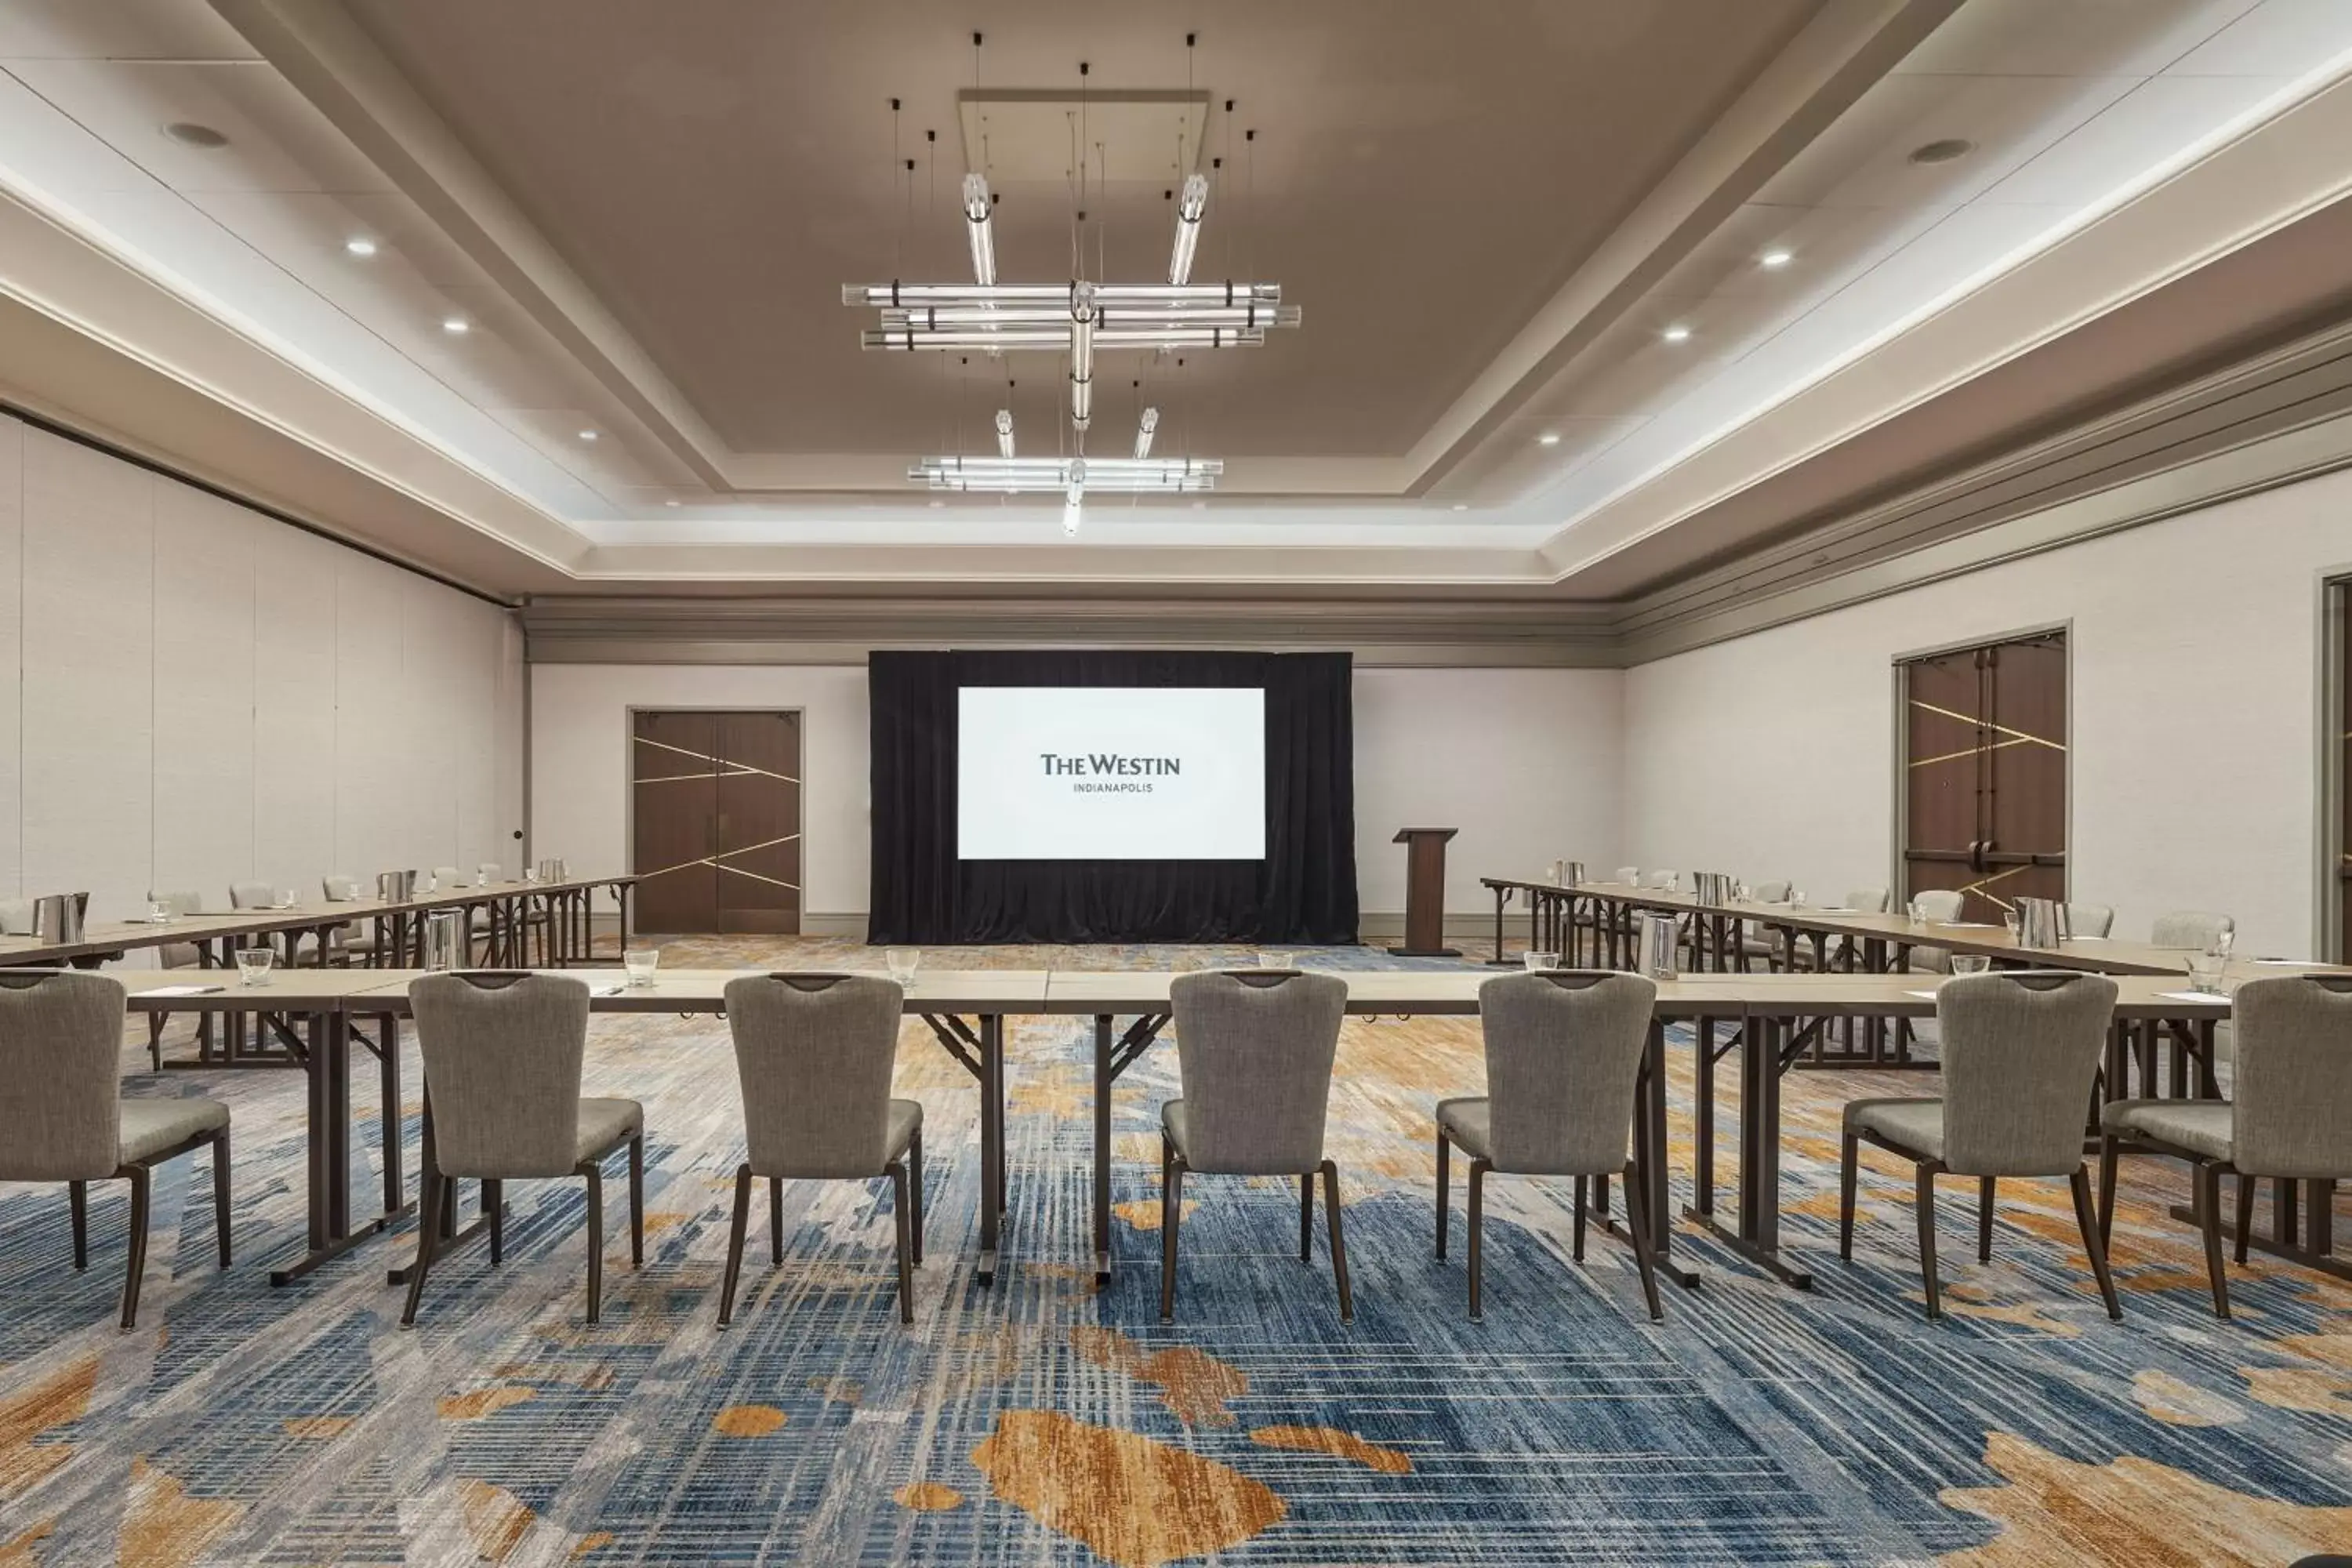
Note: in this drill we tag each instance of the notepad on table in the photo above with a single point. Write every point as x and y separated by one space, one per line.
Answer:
180 991
2192 996
1923 995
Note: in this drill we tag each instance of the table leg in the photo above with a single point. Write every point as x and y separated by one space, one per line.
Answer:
1102 1146
388 1079
328 1138
1502 896
1758 1238
992 1142
1650 1162
1703 1123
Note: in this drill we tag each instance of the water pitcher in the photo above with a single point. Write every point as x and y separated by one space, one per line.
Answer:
395 887
2041 922
445 938
58 917
1659 950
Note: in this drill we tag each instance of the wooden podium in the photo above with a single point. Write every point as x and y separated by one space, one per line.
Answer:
1424 892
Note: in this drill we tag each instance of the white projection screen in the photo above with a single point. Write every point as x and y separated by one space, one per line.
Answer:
1111 773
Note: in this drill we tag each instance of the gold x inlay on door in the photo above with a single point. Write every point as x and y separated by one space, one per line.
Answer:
716 815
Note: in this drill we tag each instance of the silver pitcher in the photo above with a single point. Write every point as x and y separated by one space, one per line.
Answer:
58 918
1567 873
395 887
2041 923
445 938
1660 954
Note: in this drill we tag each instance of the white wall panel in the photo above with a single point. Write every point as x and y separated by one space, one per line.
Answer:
193 694
2195 656
88 640
204 608
12 604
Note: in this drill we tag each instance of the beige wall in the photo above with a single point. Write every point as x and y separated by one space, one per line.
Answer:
193 694
1525 762
2195 654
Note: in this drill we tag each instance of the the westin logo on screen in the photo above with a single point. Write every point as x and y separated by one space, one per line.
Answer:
1099 773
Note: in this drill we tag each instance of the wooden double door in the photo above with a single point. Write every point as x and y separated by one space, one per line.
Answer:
1985 774
716 822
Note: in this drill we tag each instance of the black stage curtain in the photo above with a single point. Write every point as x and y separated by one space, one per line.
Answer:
1303 892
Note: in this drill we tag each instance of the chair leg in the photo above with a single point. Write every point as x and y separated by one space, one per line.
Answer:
155 1039
2209 1220
1984 1219
1306 1217
1637 1223
428 1225
595 1178
1849 1158
1478 1168
494 1209
637 1202
2107 1188
915 1188
1444 1181
775 1220
735 1245
906 1231
1926 1207
2080 1180
1338 1246
2246 1185
220 1194
77 1199
142 1189
1171 1209
1578 1249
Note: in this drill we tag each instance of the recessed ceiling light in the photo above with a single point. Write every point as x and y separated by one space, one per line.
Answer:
1462 506
1942 151
193 134
1675 333
1199 506
1548 438
670 503
1775 258
936 504
360 245
456 326
587 435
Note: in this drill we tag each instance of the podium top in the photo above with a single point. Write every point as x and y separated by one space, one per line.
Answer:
1406 835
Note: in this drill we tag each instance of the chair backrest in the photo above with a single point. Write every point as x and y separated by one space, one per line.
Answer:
2090 920
493 870
179 904
1656 880
1628 876
446 877
2199 929
2292 1076
2020 1049
1563 1052
1772 892
1867 901
502 1057
61 1071
16 917
340 889
1941 905
814 1054
251 895
1255 1049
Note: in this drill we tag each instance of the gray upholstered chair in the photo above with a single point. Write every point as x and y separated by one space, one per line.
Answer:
17 917
1759 940
2290 1118
61 1071
1942 906
1628 876
251 895
502 1065
2090 920
1564 1056
814 1054
2199 929
1844 953
2021 1049
176 955
1255 1049
356 939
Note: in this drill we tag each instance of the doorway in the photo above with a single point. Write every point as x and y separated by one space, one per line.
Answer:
715 816
1984 736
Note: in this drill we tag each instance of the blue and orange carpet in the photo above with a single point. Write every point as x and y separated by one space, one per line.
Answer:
1045 1421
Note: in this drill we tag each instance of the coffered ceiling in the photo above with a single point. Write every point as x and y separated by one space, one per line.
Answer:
1596 297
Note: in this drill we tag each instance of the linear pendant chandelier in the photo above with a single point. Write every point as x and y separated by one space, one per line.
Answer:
1075 320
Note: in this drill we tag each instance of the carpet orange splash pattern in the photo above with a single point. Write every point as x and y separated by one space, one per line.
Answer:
1045 1420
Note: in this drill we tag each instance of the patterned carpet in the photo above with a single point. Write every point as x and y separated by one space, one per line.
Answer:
1039 1422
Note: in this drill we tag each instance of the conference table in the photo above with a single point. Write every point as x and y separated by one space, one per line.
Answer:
1770 1018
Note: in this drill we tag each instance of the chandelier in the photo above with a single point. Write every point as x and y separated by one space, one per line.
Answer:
1077 320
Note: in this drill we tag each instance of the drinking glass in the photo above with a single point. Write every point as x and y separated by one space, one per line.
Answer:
158 912
481 876
2014 921
1970 963
1269 959
253 965
902 962
530 873
1673 882
1536 961
1796 898
285 898
2205 972
641 963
